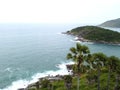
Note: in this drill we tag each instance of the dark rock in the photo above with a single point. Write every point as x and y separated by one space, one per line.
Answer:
21 89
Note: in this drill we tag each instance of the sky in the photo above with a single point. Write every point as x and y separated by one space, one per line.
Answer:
58 11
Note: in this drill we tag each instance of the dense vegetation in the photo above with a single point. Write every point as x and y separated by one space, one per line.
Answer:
59 85
111 23
96 34
90 72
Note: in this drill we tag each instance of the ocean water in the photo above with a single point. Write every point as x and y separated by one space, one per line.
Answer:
31 51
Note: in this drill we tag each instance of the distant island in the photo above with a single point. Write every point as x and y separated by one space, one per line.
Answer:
95 34
111 23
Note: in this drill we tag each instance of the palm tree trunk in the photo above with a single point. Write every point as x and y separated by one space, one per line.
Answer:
116 84
78 77
52 87
67 86
98 79
78 82
108 79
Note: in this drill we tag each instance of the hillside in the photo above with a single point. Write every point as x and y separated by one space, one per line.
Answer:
95 34
111 23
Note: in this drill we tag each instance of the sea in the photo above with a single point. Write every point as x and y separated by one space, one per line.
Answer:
29 51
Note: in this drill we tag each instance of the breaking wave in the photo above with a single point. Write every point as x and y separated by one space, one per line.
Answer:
62 70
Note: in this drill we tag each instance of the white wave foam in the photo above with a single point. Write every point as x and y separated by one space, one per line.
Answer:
89 42
72 40
59 33
23 83
77 41
8 69
76 38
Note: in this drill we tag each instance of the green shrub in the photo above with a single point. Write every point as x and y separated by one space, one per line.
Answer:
45 83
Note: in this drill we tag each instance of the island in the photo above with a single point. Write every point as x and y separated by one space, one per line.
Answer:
115 23
95 34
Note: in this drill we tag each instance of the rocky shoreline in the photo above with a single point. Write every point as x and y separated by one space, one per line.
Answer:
37 84
81 39
51 78
95 34
100 42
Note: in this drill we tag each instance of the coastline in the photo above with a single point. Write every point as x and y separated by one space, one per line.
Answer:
95 34
51 75
98 42
81 39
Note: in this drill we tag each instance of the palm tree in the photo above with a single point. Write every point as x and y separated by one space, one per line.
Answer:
99 60
111 64
91 76
79 55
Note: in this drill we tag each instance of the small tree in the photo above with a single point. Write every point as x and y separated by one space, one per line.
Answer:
111 65
91 76
99 60
45 83
117 84
68 81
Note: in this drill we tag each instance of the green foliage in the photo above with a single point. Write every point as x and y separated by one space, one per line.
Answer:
68 78
99 70
96 63
84 85
32 89
68 81
99 59
79 55
45 83
96 34
91 77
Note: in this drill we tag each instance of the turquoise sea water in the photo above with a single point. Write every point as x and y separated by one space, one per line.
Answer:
29 51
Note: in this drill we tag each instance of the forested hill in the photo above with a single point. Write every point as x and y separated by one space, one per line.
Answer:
96 34
111 23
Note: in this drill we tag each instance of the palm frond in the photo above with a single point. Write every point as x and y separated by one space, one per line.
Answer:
73 50
69 56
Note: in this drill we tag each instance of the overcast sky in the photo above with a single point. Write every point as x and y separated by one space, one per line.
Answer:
58 11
